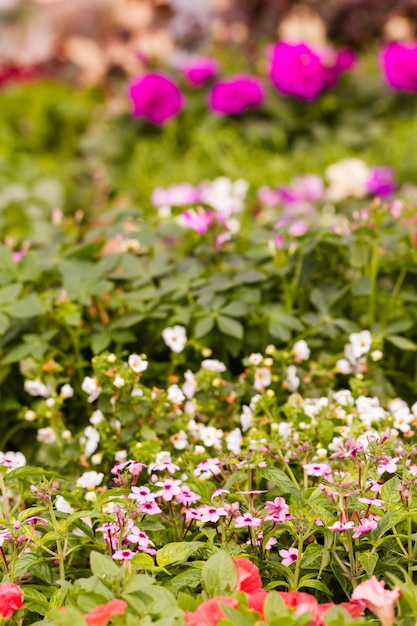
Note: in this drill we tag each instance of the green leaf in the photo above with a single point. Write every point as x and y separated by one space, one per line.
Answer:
4 323
138 582
102 565
280 480
389 491
29 306
274 606
235 309
10 293
219 574
204 326
143 561
401 342
177 552
229 326
236 617
314 584
368 561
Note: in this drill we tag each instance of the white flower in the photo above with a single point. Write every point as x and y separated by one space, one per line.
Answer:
292 382
66 435
343 397
179 440
137 364
211 436
255 399
30 415
91 496
136 392
301 351
403 419
91 386
360 342
234 441
175 394
37 388
190 384
343 366
66 391
46 435
225 196
213 365
97 458
89 480
96 418
16 459
284 429
119 381
262 378
255 358
62 505
246 418
91 439
50 402
175 338
121 456
347 178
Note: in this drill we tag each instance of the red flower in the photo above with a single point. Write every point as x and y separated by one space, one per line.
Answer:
11 599
209 613
256 601
101 615
248 578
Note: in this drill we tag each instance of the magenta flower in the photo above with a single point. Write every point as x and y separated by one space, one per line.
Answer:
211 513
398 62
381 181
156 97
247 520
341 527
277 510
199 70
365 526
170 488
298 70
123 555
317 469
236 94
289 556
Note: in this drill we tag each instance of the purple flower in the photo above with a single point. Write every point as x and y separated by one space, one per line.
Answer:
398 62
236 94
156 97
381 181
198 71
298 70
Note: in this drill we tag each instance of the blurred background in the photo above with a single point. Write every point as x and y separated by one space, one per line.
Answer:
84 41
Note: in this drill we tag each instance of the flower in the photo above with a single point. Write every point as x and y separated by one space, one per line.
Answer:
360 342
248 577
398 62
262 378
381 181
301 351
136 363
175 338
46 435
156 97
289 556
377 599
209 613
37 388
101 615
298 70
11 599
199 70
235 95
90 480
91 386
175 395
213 365
347 177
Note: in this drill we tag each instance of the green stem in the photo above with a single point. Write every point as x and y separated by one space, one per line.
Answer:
373 274
5 498
298 563
60 549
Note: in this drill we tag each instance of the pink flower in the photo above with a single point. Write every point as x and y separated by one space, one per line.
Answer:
365 525
247 520
340 526
101 615
235 95
381 181
378 600
197 219
123 555
170 488
388 465
289 556
199 70
211 513
156 97
277 510
248 577
317 469
398 62
298 70
209 613
11 599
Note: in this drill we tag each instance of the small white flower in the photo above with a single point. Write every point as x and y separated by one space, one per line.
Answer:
97 458
66 435
17 459
213 365
96 418
343 366
347 178
121 456
175 395
262 378
190 384
137 364
255 358
136 392
91 496
46 435
284 429
66 391
292 382
112 358
361 343
91 439
376 355
50 402
246 418
211 436
89 480
301 351
91 386
179 440
119 381
175 337
234 441
30 415
62 505
37 388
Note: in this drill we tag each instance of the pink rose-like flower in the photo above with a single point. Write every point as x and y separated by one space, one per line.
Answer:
209 613
198 71
11 599
298 70
378 600
156 97
398 62
236 94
